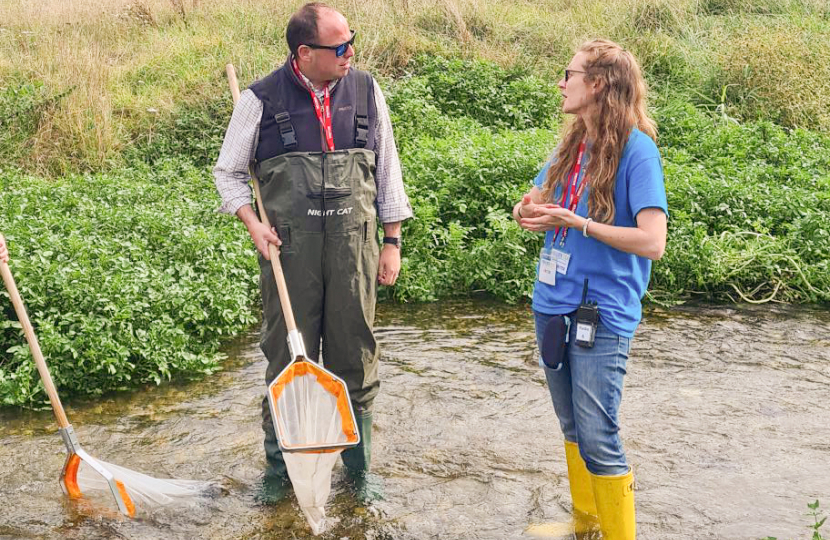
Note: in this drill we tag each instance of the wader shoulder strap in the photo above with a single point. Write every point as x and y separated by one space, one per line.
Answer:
361 118
273 103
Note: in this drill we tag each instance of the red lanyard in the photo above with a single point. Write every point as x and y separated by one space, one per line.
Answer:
323 111
574 191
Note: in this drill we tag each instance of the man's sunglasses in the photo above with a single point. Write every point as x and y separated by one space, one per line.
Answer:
568 73
339 50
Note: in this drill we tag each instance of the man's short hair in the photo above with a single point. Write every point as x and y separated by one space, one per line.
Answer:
302 27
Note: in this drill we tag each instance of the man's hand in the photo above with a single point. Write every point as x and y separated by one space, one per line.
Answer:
4 255
389 267
260 234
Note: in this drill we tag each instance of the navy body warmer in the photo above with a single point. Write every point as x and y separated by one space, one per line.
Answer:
289 122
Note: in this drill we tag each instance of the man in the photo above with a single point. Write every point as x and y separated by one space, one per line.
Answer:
320 139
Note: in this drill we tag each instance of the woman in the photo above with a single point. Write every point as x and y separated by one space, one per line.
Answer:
602 205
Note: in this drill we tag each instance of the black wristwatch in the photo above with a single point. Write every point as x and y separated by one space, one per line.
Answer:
394 240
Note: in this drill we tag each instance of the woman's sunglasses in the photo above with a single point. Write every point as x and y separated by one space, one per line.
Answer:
568 73
339 50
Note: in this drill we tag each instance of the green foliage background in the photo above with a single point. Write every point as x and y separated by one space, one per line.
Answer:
128 277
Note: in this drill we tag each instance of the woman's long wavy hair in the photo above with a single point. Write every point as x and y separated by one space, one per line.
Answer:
621 105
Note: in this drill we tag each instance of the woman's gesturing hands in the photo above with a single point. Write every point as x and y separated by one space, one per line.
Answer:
537 217
647 239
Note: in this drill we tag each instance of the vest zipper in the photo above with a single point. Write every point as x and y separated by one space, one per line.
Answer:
325 219
323 171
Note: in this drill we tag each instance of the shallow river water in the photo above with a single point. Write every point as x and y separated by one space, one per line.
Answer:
725 420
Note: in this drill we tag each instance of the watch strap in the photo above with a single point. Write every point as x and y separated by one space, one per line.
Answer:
394 240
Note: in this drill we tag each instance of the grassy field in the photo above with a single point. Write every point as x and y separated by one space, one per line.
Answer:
82 85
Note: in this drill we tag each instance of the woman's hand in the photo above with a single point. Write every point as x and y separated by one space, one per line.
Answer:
548 217
533 214
647 239
530 214
526 207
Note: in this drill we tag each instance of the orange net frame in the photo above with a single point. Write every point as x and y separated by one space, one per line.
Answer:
330 384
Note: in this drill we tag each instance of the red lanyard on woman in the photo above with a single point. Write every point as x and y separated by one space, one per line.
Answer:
323 111
575 193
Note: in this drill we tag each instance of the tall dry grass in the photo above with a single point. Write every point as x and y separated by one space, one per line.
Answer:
783 77
120 72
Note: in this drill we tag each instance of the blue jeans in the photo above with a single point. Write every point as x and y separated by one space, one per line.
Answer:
586 392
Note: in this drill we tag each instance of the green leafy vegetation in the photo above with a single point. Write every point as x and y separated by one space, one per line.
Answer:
749 203
128 278
750 210
494 97
192 131
469 146
818 522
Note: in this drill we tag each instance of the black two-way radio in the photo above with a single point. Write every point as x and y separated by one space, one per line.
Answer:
587 317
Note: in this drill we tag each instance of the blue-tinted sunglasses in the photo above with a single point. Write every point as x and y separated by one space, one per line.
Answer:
339 50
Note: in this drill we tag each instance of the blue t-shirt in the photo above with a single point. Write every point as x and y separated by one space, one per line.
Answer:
617 280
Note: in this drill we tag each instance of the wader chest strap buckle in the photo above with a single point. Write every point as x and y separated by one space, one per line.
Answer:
289 138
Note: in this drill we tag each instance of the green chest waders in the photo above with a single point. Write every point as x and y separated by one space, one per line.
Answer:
323 207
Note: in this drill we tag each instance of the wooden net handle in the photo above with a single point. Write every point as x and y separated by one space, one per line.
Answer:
282 288
31 338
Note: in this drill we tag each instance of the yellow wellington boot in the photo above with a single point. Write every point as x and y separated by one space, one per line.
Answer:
614 496
584 521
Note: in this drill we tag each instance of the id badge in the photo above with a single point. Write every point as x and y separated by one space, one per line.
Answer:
547 267
562 260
